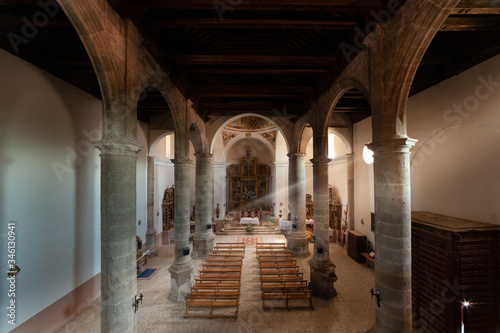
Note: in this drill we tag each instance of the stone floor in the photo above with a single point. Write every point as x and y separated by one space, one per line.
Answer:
352 310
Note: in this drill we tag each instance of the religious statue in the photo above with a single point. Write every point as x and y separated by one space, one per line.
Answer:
217 211
249 151
192 214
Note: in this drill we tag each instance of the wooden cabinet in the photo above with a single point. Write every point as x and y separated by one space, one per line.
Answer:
455 260
356 244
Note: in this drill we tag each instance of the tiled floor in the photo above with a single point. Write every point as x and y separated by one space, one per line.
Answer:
352 310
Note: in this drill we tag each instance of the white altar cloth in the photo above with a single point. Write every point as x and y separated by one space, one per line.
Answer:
249 220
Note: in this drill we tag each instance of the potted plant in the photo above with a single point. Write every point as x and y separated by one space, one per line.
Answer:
249 228
222 226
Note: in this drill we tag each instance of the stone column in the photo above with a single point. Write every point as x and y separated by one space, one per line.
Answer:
203 236
393 234
181 271
298 241
322 269
350 190
118 232
151 232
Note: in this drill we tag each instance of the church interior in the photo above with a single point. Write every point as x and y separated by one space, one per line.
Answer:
144 143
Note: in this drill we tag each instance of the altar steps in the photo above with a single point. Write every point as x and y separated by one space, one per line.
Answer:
241 230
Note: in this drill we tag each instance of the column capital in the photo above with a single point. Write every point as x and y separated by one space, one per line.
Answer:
118 147
203 156
401 145
320 160
181 162
296 155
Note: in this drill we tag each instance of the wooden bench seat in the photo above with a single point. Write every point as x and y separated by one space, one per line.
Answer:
230 245
217 283
283 285
282 277
225 255
210 263
220 275
289 296
229 252
278 264
215 292
275 256
270 246
269 260
211 303
272 251
279 271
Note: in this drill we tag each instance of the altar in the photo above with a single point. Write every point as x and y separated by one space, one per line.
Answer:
249 220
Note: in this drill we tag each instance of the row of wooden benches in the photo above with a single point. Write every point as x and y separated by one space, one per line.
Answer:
282 284
216 293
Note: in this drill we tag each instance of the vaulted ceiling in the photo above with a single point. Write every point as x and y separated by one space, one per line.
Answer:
266 56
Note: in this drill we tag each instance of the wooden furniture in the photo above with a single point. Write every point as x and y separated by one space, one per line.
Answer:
142 261
368 259
455 260
218 287
309 207
356 244
167 207
248 184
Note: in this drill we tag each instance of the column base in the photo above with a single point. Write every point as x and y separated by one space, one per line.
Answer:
181 281
151 244
322 279
299 245
202 247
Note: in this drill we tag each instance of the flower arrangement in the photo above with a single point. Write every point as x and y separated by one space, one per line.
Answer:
249 228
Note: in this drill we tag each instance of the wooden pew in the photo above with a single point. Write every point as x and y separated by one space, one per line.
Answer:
213 254
260 252
275 256
282 277
273 260
213 304
291 263
216 263
279 271
215 291
236 251
214 282
270 246
290 285
230 245
289 296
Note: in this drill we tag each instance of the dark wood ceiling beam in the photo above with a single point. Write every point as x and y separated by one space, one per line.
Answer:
351 109
269 5
215 23
259 71
252 89
476 7
472 23
252 60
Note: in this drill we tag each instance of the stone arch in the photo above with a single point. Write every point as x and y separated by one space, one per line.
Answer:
223 121
306 133
345 140
405 41
155 140
195 138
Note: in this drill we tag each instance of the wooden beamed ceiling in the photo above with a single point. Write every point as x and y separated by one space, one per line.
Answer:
270 57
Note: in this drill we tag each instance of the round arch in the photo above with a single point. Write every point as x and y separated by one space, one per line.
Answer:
245 115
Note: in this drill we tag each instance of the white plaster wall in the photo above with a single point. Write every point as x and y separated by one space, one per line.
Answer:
279 174
337 177
455 165
219 186
218 148
309 169
363 180
142 183
164 177
50 185
281 148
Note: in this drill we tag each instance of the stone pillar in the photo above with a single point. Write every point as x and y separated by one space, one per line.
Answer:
203 236
118 232
181 271
322 269
350 191
393 234
298 241
151 232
